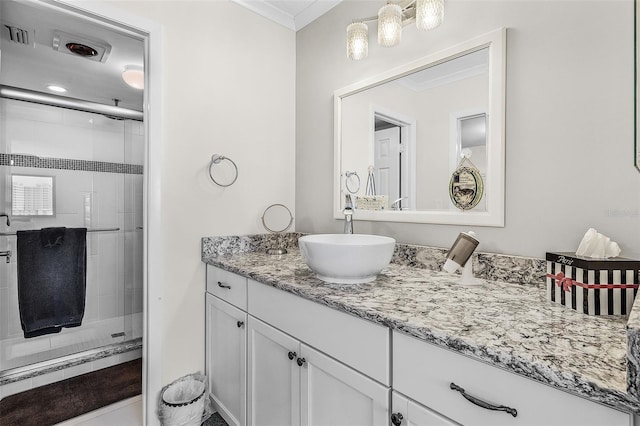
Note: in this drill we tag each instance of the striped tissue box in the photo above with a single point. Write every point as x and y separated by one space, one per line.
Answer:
592 286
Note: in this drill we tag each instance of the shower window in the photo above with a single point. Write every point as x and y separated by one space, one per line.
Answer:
32 195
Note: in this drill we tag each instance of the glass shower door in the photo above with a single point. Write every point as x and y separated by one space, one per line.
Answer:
82 154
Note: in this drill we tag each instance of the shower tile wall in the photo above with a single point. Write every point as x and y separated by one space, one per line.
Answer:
92 199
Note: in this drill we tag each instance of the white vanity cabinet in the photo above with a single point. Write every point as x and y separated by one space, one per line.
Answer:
274 376
226 344
406 412
427 374
277 359
291 383
338 357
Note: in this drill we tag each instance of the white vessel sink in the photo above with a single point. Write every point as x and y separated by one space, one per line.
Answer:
346 258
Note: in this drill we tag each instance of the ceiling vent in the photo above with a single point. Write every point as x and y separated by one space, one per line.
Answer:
81 46
18 35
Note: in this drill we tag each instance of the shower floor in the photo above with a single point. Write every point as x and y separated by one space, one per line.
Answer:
19 352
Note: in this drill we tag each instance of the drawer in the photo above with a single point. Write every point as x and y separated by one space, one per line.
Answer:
227 286
424 372
358 343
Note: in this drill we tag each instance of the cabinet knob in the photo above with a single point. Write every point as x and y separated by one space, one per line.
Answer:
224 285
396 419
240 324
301 361
291 355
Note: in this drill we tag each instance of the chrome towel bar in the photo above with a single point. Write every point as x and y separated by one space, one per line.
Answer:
8 234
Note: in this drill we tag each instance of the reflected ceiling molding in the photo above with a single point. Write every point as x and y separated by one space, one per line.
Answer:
467 66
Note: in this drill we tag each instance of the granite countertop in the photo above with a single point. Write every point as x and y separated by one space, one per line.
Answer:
507 325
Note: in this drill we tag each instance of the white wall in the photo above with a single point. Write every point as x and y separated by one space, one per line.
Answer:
229 89
569 124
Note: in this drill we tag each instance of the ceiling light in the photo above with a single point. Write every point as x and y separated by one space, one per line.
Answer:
428 14
357 41
133 75
389 25
57 89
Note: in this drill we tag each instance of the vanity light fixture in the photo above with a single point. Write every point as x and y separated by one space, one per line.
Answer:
427 14
133 75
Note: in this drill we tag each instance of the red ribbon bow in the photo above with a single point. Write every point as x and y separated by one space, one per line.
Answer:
562 281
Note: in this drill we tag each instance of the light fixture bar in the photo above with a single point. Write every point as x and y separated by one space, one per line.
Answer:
427 14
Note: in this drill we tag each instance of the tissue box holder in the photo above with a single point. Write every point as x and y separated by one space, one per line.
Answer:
592 286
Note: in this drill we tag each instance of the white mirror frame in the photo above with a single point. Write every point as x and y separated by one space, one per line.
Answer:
495 41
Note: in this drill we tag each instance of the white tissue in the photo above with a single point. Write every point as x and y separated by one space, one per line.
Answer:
597 245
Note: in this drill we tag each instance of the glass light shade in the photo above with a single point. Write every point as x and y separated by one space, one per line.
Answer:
357 41
429 14
133 76
389 25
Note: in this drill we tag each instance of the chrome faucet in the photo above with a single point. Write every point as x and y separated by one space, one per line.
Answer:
348 214
7 216
396 204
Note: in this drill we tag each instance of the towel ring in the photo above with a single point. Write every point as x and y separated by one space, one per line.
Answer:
347 175
216 159
278 249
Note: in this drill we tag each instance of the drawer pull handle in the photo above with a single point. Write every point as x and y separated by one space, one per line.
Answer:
301 362
291 355
240 324
223 285
483 404
396 419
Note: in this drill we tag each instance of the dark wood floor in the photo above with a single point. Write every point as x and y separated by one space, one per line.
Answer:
60 401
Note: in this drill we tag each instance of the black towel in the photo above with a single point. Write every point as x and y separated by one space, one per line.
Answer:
52 265
51 237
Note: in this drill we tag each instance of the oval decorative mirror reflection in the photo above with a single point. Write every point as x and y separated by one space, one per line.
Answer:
410 126
466 188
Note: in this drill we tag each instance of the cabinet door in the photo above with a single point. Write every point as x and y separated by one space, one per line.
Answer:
226 359
334 394
274 376
405 412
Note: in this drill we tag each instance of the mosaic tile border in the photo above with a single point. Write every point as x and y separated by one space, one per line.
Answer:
21 160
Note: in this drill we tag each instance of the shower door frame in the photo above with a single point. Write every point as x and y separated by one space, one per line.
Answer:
152 33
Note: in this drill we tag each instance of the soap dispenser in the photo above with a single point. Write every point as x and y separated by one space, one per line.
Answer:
459 256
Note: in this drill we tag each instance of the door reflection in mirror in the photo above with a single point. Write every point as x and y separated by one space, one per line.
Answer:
394 158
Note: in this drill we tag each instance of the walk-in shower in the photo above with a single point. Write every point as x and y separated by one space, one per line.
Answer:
74 161
60 167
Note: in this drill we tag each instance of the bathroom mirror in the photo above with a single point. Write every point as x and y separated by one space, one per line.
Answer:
411 125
